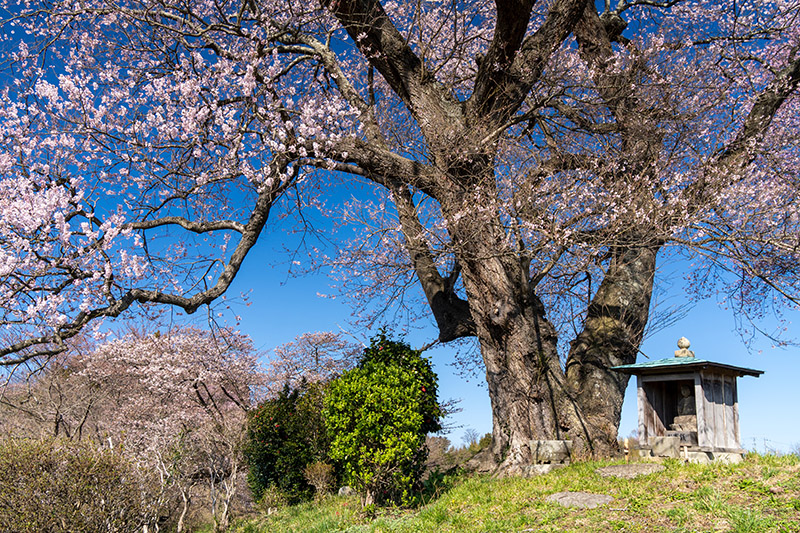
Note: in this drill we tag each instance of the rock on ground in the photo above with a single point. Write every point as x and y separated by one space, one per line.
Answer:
581 500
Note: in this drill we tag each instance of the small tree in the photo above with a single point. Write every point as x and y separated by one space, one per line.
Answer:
284 435
378 415
320 476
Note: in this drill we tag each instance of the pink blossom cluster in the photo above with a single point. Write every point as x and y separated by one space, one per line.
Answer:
172 383
145 145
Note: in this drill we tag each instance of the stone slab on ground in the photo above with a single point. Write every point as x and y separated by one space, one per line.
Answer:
630 471
581 500
550 451
539 470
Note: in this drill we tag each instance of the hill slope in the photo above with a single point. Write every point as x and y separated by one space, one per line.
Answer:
760 494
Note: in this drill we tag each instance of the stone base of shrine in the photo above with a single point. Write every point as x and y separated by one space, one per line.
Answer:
672 447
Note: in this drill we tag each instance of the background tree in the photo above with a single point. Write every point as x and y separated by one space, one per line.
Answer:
377 416
537 159
312 358
471 437
55 402
174 403
181 400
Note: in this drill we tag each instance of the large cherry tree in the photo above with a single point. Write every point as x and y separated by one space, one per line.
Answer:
535 159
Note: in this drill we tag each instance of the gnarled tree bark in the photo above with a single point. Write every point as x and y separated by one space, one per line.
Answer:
534 395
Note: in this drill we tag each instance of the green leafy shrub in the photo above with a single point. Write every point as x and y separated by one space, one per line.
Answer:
55 485
284 435
377 416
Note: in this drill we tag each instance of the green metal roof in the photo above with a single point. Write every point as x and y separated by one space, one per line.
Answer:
683 364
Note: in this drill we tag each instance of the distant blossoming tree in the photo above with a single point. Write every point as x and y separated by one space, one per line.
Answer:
314 357
175 402
532 164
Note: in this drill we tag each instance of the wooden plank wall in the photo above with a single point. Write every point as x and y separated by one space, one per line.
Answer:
704 430
650 400
718 426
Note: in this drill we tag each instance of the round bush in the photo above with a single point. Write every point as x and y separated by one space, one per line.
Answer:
377 416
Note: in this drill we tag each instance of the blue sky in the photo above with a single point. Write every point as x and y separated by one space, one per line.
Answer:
283 307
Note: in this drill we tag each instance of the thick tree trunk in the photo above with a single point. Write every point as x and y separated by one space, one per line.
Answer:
611 336
529 395
527 390
533 397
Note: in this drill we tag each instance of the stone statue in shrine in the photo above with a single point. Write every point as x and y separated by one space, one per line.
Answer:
686 420
686 403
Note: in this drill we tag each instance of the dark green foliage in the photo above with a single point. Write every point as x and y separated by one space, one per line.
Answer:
284 435
55 485
378 415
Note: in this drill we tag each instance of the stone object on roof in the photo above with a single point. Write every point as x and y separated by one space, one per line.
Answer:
683 348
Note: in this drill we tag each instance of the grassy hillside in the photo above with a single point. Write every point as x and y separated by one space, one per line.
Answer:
760 494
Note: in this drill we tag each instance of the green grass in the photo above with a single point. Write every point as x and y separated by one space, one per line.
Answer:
760 494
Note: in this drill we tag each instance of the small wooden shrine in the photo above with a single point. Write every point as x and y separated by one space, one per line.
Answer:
688 407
